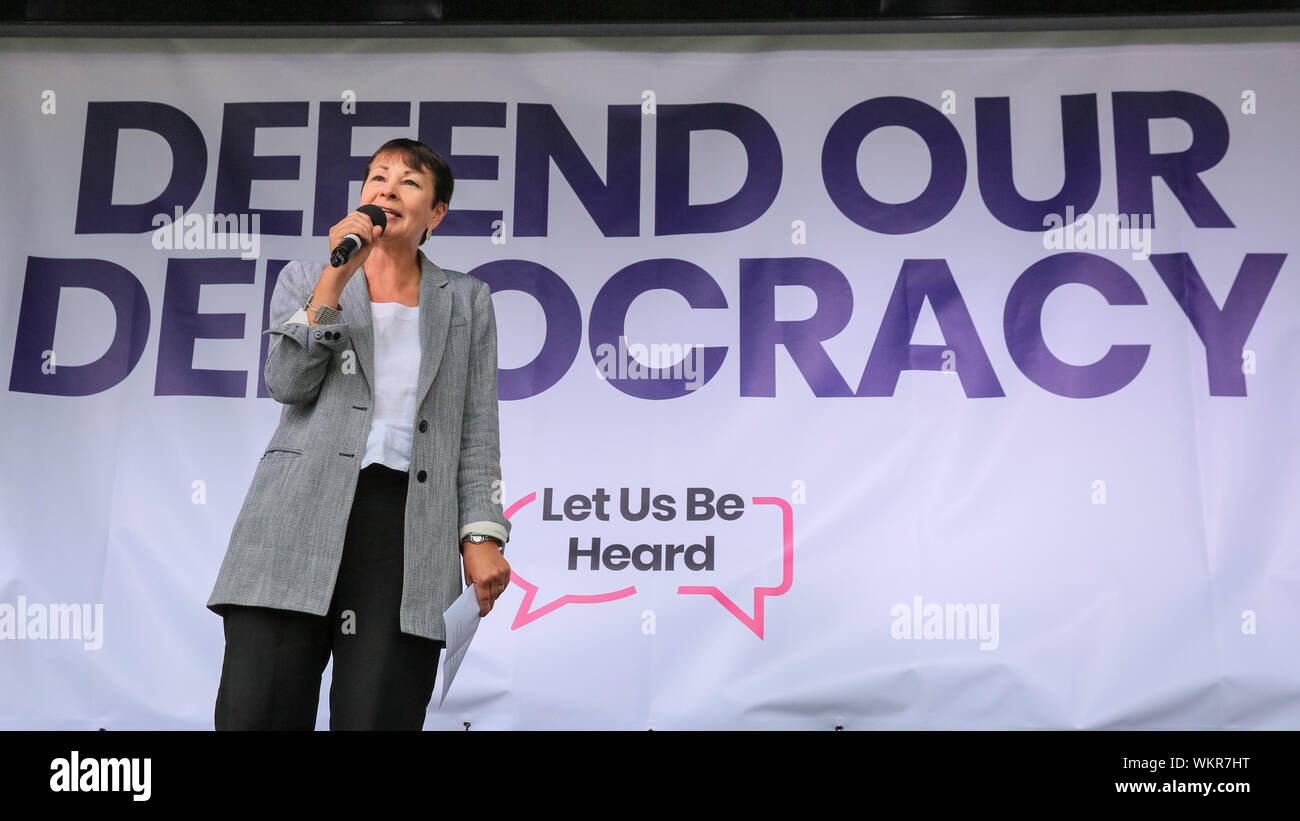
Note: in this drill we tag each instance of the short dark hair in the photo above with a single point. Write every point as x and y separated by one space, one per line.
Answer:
422 158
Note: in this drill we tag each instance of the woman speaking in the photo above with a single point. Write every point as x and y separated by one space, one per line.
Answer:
381 483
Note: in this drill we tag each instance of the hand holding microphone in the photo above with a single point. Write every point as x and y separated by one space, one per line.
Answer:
355 232
352 238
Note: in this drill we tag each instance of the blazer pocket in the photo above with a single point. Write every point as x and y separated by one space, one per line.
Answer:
281 453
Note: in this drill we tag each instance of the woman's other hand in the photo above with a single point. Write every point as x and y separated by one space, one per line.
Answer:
487 570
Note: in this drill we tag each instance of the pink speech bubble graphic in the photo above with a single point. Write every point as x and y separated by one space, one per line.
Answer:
524 615
755 623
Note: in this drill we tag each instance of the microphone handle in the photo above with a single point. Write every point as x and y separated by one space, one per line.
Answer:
345 250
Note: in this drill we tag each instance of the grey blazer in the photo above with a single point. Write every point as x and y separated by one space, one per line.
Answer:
287 541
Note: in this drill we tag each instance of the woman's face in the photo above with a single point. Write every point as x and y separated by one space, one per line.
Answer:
406 195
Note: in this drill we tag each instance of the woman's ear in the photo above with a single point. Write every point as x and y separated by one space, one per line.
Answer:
439 211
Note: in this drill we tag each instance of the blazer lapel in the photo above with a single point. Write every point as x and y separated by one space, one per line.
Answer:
435 319
355 302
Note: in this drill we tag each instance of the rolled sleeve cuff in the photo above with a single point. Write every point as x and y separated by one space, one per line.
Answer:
334 336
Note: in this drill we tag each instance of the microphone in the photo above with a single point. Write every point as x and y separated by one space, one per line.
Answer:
352 243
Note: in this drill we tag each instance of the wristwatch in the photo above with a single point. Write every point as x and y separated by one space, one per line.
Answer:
479 538
325 315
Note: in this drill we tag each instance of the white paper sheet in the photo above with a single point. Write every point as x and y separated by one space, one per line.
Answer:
462 620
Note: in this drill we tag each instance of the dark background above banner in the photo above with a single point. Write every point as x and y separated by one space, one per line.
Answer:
523 17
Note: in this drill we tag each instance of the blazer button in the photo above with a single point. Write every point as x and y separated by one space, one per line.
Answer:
424 425
421 476
337 334
318 334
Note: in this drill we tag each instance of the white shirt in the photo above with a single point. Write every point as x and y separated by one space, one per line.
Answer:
397 367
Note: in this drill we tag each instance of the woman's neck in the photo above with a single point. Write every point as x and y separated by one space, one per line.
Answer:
389 280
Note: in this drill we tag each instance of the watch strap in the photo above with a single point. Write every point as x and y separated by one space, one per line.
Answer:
325 315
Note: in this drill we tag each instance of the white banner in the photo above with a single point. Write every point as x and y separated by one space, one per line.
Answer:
840 385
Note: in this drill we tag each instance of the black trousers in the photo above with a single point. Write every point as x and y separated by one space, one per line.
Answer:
383 678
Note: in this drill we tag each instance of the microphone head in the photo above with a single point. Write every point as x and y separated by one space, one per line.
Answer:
376 214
